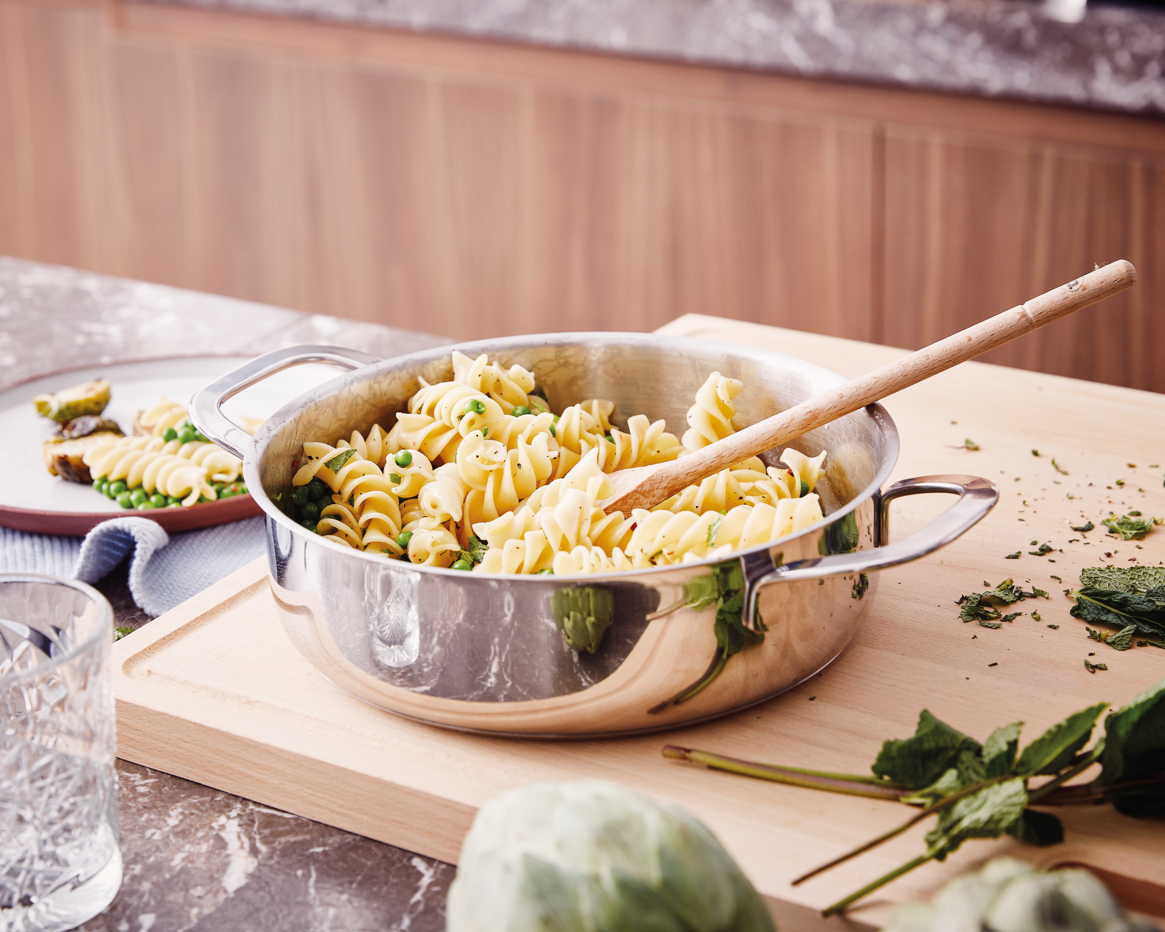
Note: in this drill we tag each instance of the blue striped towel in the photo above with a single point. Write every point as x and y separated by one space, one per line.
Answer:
164 571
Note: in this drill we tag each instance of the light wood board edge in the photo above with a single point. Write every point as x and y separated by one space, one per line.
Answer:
299 784
276 777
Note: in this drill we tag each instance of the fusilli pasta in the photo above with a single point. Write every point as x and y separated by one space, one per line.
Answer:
479 474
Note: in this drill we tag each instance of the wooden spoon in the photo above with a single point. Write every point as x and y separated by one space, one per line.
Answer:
645 486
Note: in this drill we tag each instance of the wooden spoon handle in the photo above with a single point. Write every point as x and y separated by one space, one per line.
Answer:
669 478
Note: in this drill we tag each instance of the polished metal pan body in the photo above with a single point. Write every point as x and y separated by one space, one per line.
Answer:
490 653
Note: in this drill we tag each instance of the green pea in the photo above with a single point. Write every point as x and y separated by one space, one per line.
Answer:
609 438
173 500
137 496
147 505
404 459
158 500
462 564
546 572
187 436
317 489
99 483
804 488
520 411
114 489
310 525
404 538
243 488
125 500
310 512
475 406
170 434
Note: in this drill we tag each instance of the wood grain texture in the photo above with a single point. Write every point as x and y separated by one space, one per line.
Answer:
479 188
978 221
647 486
191 699
466 203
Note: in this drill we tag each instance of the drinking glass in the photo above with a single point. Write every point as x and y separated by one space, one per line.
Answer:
59 860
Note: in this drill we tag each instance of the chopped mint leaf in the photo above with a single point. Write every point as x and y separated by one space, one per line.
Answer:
1129 527
337 460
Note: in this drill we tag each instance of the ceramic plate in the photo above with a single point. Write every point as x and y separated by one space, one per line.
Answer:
33 500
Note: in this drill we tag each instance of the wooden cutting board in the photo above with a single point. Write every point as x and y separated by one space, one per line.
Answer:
214 692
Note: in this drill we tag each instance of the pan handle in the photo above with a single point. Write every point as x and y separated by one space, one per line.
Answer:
976 498
206 406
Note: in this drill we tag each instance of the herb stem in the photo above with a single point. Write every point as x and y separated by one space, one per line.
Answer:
841 904
913 820
851 785
1094 792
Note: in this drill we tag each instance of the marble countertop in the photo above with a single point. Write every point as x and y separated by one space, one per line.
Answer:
1112 58
197 859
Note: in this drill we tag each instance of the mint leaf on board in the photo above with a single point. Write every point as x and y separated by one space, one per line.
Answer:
1084 528
985 814
974 610
1123 578
1123 639
1093 667
976 606
1121 609
1038 828
337 460
919 761
1128 527
1134 749
1052 751
1000 748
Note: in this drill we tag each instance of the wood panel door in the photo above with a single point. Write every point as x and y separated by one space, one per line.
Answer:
390 186
974 225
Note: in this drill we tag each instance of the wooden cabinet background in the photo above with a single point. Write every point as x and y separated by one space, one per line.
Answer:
475 188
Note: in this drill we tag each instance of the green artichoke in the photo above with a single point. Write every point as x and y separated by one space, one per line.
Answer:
1008 895
595 857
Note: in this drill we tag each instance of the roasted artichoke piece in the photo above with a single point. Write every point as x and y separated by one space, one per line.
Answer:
70 403
88 424
64 457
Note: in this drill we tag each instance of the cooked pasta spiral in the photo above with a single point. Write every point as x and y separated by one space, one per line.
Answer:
485 488
710 418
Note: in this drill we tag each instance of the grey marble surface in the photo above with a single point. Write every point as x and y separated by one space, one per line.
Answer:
197 859
1112 58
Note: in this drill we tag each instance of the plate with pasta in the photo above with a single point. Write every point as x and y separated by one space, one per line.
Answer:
90 444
